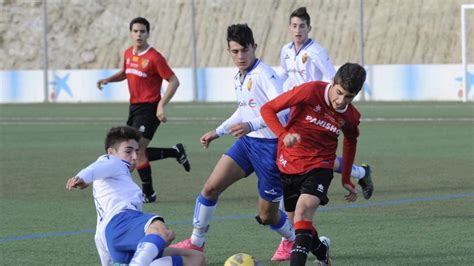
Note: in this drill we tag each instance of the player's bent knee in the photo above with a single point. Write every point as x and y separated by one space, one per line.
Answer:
158 227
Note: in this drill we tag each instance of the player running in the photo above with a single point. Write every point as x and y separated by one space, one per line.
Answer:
307 146
254 150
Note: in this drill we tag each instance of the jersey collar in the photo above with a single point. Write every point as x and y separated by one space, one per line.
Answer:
141 53
326 99
306 44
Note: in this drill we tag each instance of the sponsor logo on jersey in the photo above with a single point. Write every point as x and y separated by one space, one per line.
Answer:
135 72
252 103
287 57
249 84
144 63
135 58
323 124
304 58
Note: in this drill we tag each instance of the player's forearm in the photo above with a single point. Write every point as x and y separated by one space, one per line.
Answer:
269 115
348 155
119 76
173 84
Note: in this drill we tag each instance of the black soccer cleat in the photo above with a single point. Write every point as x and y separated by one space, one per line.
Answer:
149 198
182 158
326 261
366 182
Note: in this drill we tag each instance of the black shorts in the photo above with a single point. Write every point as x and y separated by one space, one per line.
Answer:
315 182
142 116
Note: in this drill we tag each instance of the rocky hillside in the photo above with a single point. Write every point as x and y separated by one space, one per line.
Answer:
93 34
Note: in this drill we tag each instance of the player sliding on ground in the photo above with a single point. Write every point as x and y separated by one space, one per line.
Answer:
124 234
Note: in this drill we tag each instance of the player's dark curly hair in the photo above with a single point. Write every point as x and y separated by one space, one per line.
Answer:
116 135
302 14
240 33
351 77
140 20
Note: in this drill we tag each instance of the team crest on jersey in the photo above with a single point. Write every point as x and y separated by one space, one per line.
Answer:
304 58
144 63
249 84
341 123
135 59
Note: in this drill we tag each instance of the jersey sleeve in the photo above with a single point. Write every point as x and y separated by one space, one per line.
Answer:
351 132
324 64
163 68
282 70
223 128
297 95
104 167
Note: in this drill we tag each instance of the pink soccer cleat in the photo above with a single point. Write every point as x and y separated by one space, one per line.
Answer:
283 251
187 244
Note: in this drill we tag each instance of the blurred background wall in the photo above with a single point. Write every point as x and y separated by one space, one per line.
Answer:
89 34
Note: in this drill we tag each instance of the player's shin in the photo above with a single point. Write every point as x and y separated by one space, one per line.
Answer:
284 227
168 261
203 213
149 248
300 250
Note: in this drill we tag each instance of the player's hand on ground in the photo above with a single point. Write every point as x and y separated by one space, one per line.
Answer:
207 138
352 196
160 113
101 83
291 139
239 130
76 182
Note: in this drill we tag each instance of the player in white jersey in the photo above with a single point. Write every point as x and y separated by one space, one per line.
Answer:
254 151
304 60
124 234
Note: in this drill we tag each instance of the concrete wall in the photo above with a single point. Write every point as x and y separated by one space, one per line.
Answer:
90 34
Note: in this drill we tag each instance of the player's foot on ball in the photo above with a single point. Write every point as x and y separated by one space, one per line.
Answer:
327 259
187 244
283 251
149 198
366 182
182 158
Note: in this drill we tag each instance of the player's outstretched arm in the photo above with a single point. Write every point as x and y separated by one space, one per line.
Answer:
76 182
119 76
239 130
207 138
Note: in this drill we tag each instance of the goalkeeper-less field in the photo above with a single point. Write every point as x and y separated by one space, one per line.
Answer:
422 211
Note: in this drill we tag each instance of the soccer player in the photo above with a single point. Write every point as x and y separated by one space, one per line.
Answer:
145 68
304 60
253 151
319 113
124 234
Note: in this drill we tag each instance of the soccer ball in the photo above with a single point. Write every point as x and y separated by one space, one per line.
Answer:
241 259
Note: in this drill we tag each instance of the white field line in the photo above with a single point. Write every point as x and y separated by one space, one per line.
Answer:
190 120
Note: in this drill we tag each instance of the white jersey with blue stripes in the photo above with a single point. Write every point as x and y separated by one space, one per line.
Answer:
310 63
259 85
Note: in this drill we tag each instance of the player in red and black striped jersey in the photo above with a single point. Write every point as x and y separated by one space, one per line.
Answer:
145 68
319 113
